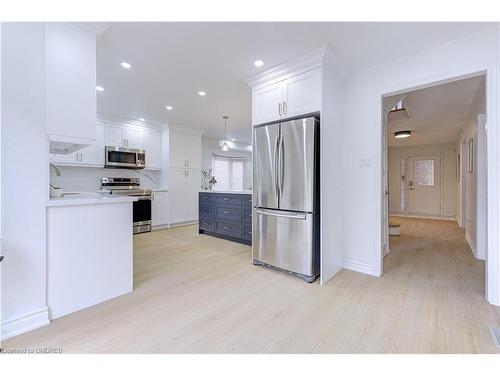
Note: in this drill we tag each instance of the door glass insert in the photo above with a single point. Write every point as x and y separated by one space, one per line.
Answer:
424 172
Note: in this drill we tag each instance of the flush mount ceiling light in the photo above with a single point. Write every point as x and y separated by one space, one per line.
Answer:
258 63
225 146
402 134
141 119
202 93
169 107
99 88
125 65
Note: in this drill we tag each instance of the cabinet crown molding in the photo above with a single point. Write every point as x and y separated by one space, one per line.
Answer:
118 120
317 58
185 129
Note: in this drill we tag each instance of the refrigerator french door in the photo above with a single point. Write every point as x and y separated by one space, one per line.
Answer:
285 206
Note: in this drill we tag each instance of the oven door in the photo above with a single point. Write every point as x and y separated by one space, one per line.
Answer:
119 157
142 211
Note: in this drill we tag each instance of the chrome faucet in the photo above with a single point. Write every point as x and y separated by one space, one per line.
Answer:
57 170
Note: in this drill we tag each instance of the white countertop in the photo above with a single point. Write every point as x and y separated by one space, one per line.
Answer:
227 191
85 198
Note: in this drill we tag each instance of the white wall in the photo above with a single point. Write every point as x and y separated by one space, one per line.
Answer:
363 132
473 184
211 145
24 177
448 175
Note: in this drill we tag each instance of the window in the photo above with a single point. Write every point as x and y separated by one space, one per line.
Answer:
228 173
424 172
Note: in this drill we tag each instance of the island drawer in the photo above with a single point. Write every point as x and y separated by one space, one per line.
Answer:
228 212
247 200
247 232
231 199
207 224
207 210
247 214
206 198
228 228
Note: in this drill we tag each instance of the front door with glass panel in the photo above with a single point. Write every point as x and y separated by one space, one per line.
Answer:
424 185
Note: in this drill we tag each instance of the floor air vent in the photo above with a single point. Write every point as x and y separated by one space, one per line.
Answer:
495 332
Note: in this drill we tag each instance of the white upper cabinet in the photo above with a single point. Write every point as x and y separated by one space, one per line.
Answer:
267 103
124 136
153 147
70 72
134 137
302 94
91 156
184 150
294 96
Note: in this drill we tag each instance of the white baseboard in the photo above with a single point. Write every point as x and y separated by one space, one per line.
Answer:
22 324
359 267
173 225
163 226
432 217
472 247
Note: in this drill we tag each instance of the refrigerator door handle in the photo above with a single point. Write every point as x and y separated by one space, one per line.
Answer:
282 165
291 215
276 165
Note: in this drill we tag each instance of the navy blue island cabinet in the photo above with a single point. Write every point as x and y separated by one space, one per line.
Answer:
226 215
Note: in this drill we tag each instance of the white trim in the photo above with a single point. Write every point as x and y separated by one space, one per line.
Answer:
120 120
22 324
161 226
312 60
356 266
417 216
181 224
185 129
472 247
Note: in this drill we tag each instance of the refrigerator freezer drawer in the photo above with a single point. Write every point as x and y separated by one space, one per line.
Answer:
284 240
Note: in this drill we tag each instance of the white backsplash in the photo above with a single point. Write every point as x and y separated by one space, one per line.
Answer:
89 179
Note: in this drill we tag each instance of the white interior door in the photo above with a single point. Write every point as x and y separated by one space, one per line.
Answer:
424 185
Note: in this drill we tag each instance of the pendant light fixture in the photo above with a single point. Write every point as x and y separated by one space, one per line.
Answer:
225 146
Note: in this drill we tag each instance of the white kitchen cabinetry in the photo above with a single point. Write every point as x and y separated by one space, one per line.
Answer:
70 72
91 156
160 209
153 147
184 188
87 261
184 150
124 136
297 95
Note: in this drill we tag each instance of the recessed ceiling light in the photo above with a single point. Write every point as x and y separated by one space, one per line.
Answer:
402 134
202 93
141 119
258 63
125 65
169 107
99 88
233 139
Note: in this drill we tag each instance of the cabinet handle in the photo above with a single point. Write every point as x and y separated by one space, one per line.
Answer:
227 228
279 108
226 199
227 212
285 109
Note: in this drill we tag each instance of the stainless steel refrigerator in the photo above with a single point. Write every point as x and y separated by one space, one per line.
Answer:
286 197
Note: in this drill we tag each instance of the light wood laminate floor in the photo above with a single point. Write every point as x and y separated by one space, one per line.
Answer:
199 294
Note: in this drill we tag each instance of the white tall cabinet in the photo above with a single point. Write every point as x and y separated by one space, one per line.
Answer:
185 174
312 84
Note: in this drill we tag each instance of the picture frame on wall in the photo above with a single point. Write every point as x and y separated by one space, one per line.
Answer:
470 155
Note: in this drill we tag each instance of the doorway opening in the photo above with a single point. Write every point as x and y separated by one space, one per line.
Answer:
434 178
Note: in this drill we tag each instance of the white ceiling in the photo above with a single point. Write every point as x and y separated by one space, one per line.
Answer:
171 62
437 114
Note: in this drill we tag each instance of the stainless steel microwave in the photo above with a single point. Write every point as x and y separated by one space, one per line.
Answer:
121 157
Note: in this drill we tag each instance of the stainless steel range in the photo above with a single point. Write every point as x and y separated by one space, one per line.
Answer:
132 187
